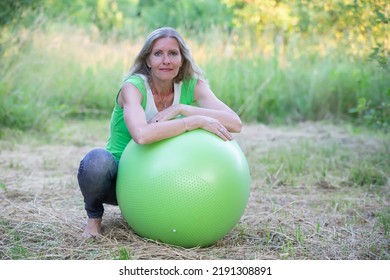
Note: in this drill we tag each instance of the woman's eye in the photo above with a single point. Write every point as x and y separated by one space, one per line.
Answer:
161 53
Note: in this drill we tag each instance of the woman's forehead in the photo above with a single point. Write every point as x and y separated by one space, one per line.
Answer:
166 43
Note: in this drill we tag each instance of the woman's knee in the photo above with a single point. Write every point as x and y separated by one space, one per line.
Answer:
98 167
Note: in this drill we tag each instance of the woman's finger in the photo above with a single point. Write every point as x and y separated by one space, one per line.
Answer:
224 134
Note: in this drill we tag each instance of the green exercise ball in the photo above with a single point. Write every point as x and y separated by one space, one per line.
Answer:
189 190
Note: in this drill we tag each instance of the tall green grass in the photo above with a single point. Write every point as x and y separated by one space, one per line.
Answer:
47 75
56 72
305 87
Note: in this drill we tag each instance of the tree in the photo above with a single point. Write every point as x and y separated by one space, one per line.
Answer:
353 22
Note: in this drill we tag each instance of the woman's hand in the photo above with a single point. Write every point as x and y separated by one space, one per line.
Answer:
192 122
214 126
167 114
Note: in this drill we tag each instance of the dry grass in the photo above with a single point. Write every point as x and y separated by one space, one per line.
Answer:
315 211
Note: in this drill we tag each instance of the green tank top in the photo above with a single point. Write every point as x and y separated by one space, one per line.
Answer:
119 134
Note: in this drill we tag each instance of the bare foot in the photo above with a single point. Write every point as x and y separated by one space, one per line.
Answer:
93 228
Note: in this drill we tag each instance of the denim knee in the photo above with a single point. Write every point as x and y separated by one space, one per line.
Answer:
97 180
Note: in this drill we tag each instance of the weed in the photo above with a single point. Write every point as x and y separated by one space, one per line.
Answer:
299 234
318 228
123 254
384 219
370 170
18 252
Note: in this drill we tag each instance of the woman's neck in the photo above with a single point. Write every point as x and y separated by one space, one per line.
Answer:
162 88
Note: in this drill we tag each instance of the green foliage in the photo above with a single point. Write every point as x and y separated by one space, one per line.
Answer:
125 17
374 114
189 15
108 15
355 23
78 11
379 54
12 9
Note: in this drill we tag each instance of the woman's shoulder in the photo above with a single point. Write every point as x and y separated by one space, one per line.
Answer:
190 83
138 80
135 79
188 90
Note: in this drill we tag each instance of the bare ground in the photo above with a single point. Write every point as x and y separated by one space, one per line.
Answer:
42 215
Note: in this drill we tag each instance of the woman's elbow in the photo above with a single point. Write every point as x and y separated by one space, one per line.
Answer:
139 137
236 125
140 140
237 128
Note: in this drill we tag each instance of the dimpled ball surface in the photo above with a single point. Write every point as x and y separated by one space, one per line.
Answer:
189 190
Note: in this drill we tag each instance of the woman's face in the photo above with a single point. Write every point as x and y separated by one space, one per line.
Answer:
165 59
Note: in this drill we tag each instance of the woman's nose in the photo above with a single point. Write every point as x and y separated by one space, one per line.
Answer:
166 59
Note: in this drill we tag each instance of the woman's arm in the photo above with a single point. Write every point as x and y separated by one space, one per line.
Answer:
130 99
209 106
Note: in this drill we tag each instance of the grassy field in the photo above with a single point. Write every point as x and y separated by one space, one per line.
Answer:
318 191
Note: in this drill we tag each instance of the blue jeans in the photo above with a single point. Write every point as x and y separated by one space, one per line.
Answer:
97 180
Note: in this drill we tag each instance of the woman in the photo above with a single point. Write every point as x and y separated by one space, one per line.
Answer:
155 102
